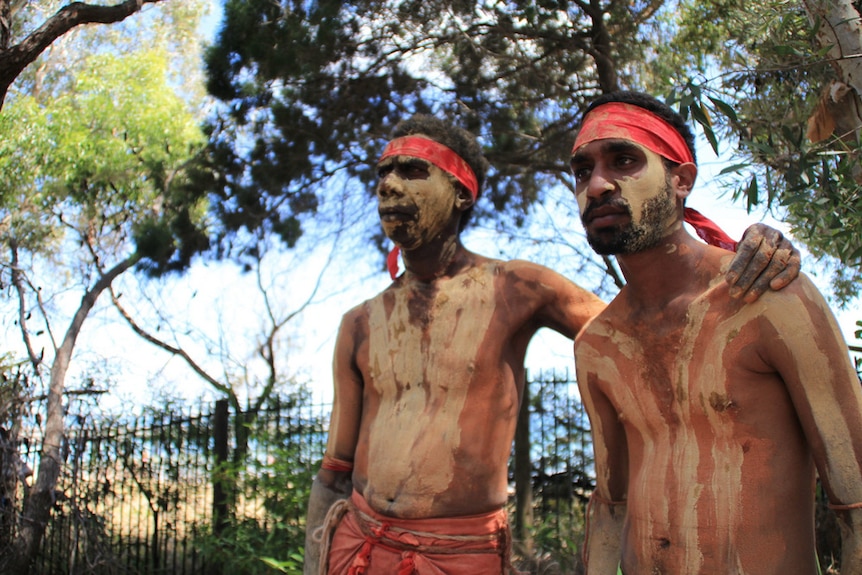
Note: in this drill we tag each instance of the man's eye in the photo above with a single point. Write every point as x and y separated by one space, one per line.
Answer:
581 174
381 172
415 171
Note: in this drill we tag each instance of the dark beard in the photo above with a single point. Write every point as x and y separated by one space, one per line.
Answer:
635 237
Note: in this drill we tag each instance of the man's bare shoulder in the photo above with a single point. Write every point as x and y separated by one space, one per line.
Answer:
609 320
526 271
802 288
359 313
528 267
792 308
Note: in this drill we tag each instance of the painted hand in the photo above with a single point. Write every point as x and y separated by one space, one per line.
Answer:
765 259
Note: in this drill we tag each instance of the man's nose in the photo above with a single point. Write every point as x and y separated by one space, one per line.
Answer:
389 185
600 183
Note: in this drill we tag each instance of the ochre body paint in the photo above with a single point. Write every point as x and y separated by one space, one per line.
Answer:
440 365
725 408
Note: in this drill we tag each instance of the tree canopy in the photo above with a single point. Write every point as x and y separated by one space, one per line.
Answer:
24 37
312 89
780 83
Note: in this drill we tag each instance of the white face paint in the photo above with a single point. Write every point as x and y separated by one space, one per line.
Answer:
651 183
624 195
416 200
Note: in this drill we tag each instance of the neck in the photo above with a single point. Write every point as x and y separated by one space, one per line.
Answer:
658 275
434 260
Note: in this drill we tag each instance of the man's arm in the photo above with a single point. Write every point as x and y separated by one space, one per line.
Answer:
328 487
811 356
764 260
607 508
602 543
334 479
563 305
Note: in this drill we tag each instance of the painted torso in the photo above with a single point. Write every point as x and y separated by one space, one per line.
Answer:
720 476
441 366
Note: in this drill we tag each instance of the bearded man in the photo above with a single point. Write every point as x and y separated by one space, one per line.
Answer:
710 417
429 376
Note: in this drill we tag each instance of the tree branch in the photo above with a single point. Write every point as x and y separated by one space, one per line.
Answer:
169 348
18 282
13 60
267 349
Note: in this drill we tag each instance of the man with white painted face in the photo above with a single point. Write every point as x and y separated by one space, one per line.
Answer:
429 376
710 417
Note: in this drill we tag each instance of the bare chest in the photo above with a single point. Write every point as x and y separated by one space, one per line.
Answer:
431 337
686 370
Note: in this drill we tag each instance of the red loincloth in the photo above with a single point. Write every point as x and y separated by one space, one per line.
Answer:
367 543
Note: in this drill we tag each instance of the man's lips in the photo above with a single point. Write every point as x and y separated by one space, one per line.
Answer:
395 213
604 216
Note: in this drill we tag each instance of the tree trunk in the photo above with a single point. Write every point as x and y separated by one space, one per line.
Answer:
523 479
840 110
37 508
840 28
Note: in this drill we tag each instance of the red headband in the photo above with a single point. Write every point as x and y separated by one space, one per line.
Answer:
630 122
438 154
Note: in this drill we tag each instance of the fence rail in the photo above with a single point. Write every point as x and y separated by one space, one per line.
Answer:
150 495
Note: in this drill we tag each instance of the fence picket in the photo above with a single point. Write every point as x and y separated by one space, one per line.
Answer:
138 497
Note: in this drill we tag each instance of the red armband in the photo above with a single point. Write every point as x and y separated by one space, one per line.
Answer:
333 464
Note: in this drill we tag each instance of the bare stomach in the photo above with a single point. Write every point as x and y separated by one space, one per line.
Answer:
436 469
729 527
707 551
412 505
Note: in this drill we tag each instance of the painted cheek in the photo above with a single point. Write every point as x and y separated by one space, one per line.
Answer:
637 190
436 200
581 198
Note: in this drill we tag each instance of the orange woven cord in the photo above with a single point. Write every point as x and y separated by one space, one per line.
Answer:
333 464
842 507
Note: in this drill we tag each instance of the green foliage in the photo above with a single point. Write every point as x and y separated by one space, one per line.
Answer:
107 157
770 73
266 529
310 90
559 535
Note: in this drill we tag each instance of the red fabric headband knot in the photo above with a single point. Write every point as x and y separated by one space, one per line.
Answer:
438 154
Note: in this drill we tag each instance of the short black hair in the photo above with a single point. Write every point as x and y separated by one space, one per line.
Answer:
457 139
650 104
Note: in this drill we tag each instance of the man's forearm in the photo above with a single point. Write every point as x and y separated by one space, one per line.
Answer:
602 548
323 495
850 522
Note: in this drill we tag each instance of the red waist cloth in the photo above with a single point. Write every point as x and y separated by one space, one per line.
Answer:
367 543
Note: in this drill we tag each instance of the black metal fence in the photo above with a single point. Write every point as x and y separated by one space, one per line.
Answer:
134 496
150 495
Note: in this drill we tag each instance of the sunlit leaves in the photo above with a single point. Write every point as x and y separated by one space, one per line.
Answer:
761 73
106 156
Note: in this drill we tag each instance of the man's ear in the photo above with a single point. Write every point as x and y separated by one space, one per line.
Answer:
683 178
463 198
